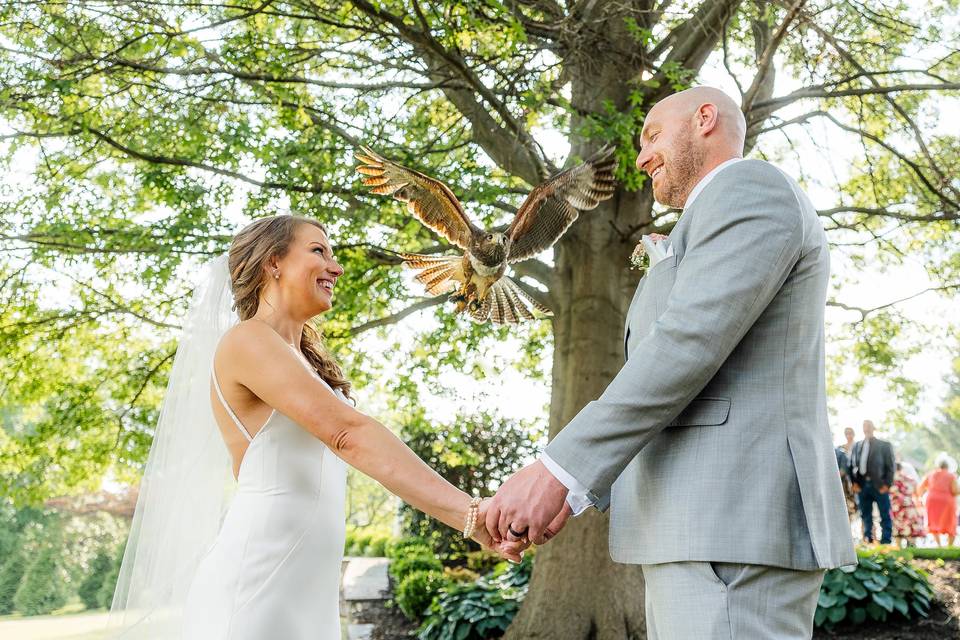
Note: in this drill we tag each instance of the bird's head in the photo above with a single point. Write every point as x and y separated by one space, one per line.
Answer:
493 239
492 247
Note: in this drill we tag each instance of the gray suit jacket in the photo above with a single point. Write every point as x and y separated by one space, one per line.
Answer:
712 443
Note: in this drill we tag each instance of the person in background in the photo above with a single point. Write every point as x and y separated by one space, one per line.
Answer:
907 519
941 488
844 453
850 436
871 468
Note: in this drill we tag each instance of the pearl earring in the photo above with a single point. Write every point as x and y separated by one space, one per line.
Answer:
276 275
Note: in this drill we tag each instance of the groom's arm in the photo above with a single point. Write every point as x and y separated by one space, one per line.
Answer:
742 246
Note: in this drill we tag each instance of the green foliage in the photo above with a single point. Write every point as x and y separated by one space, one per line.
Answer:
417 590
42 589
372 544
109 585
909 553
411 561
11 574
482 561
476 453
407 545
89 590
934 553
880 586
478 610
460 574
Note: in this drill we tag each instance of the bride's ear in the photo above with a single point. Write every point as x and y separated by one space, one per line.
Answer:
271 267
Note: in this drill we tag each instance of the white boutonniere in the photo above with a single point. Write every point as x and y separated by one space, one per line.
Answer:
649 251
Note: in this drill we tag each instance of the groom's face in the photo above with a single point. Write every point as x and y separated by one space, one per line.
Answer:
669 154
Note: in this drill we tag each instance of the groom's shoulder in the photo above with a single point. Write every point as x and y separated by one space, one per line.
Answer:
757 170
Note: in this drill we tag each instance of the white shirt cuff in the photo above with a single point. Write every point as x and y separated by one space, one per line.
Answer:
576 492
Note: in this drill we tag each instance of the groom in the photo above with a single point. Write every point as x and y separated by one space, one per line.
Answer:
711 446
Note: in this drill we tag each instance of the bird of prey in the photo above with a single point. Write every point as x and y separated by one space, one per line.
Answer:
476 277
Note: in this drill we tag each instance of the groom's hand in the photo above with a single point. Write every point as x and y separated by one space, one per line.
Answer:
528 502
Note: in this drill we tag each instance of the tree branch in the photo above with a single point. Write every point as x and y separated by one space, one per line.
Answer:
865 312
800 94
536 269
425 303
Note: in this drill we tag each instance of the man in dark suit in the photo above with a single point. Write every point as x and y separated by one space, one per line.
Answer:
871 469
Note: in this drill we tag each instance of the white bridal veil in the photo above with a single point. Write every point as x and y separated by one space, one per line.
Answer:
188 479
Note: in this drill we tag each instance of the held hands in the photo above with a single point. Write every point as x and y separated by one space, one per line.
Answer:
509 550
531 503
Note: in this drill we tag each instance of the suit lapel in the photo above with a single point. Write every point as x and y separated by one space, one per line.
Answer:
629 316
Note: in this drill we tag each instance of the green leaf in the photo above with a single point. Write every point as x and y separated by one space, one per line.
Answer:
855 590
836 614
826 600
885 600
858 615
819 617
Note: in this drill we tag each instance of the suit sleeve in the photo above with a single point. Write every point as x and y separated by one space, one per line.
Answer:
742 245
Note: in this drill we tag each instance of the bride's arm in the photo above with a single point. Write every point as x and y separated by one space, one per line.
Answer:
273 372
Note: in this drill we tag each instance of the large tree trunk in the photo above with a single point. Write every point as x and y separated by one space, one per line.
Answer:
577 591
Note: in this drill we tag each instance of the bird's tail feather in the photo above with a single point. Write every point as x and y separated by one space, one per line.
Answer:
507 303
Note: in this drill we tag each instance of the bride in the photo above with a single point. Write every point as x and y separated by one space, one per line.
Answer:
259 409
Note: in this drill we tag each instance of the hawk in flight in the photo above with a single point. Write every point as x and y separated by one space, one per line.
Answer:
476 277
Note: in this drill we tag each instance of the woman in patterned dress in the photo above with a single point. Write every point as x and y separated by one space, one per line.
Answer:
907 519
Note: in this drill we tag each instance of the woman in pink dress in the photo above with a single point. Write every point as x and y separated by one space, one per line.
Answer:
907 519
941 488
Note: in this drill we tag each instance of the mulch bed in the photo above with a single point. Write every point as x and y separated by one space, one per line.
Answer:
943 623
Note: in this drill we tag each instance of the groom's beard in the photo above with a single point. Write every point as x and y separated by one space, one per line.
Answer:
681 171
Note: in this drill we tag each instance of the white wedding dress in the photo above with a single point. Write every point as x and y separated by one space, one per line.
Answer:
274 570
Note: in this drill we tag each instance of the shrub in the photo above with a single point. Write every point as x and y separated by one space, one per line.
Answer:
417 590
110 579
460 574
89 590
11 573
397 548
378 546
404 565
478 610
473 611
41 590
881 585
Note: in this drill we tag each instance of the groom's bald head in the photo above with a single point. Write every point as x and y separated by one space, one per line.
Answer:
685 136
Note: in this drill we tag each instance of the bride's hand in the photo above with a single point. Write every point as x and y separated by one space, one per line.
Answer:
512 551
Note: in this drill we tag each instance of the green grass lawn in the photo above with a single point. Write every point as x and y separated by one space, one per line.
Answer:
68 623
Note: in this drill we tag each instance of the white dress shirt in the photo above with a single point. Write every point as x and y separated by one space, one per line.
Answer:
576 492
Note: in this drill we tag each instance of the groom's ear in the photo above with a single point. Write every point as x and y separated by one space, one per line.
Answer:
706 118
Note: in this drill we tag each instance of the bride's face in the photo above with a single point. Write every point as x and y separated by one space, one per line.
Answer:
309 271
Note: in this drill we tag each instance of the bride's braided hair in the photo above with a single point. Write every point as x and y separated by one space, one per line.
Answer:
251 249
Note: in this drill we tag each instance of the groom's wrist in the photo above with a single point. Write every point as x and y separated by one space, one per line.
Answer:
577 495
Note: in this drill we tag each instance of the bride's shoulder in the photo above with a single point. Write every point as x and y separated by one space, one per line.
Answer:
247 340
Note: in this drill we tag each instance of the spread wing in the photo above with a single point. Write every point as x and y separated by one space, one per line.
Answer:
553 206
429 200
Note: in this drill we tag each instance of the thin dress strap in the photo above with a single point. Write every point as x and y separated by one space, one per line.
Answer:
216 385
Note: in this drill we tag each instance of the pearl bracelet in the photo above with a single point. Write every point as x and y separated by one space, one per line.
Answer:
471 519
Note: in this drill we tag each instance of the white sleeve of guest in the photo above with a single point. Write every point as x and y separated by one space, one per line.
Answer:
576 492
